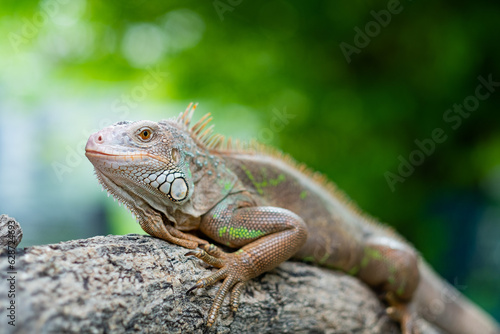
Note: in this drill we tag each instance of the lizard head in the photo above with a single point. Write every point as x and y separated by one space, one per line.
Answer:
143 155
160 166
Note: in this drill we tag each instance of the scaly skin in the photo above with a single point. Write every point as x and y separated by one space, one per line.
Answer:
177 179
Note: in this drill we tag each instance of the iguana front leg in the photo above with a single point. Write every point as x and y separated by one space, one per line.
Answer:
267 237
152 223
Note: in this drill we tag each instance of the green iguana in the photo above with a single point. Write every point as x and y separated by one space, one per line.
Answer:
182 182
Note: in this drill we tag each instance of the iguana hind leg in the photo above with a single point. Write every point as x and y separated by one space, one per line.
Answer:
392 266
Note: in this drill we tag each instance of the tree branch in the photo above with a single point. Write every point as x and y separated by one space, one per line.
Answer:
135 283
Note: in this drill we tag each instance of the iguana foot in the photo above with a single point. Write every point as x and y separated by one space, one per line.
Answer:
235 270
402 313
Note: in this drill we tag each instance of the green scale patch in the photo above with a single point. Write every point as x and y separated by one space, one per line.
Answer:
240 232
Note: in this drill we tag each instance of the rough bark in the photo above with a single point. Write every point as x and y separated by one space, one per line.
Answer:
138 284
10 232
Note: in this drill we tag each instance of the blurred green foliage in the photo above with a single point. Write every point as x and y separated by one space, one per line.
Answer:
351 120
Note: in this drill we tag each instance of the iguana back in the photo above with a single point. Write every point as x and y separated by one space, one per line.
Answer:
336 227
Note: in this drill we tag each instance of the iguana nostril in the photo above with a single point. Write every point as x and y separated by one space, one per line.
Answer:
95 142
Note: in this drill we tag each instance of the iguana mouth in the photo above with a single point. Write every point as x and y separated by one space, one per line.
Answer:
128 157
125 157
92 152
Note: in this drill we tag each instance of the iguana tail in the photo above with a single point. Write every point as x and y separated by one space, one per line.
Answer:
441 304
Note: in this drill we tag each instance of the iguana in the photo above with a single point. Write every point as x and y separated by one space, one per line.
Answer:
189 186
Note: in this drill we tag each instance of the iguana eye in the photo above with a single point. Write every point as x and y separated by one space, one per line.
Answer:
145 134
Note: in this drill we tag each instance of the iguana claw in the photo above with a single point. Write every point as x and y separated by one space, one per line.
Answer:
234 271
402 313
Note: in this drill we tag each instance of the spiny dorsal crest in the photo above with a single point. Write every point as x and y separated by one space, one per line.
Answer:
206 137
203 132
218 142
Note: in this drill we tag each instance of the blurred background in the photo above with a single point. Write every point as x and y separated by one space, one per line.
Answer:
356 90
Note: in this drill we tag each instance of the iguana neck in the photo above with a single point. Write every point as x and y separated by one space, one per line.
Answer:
213 181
